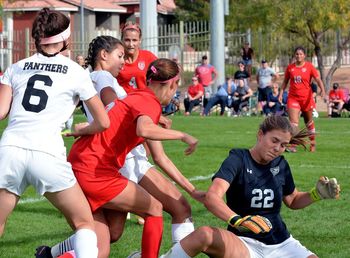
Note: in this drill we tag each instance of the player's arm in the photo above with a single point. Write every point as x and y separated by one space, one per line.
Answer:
215 76
215 203
283 88
147 129
5 100
164 162
108 95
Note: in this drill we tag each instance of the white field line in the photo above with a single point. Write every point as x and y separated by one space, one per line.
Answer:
203 178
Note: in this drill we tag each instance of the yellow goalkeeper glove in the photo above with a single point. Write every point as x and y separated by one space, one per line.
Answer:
253 223
325 189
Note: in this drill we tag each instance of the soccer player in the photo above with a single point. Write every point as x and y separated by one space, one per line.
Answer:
300 99
256 181
133 74
39 94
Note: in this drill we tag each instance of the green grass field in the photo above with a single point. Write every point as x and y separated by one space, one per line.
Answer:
323 227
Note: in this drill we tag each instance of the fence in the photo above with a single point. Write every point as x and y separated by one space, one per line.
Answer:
186 42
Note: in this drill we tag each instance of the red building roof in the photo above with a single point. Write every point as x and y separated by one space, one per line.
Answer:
32 5
99 6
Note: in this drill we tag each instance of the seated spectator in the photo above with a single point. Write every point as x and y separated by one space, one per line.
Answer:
336 100
221 96
241 97
194 96
241 74
273 106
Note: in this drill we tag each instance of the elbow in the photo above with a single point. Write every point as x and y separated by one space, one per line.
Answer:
104 124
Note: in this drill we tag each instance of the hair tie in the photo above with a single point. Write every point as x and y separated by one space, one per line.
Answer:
154 70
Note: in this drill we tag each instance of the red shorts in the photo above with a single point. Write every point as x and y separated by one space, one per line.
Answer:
303 104
99 188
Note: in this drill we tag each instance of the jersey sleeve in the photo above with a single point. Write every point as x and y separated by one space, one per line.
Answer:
106 79
138 107
6 78
286 73
313 71
85 88
230 167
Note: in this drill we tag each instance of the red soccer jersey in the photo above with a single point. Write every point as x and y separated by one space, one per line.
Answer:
337 94
300 78
133 76
106 151
204 73
194 89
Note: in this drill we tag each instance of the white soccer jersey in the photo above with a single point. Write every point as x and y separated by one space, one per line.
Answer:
102 79
45 92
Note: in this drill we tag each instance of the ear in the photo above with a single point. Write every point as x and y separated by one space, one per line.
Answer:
103 54
260 134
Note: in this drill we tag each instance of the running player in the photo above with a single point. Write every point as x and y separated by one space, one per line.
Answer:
256 181
300 99
39 94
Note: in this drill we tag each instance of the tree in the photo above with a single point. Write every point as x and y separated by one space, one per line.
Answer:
192 10
309 19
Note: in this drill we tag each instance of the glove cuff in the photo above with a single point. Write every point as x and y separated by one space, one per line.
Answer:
314 194
234 220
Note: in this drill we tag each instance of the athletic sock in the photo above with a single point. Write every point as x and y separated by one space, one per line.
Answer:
85 245
151 236
63 247
176 252
181 230
311 128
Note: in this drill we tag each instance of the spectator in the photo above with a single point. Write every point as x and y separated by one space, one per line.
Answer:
80 60
241 97
264 77
273 105
336 99
247 55
207 75
221 96
241 74
194 96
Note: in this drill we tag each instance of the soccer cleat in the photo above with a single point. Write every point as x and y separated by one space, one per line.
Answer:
136 254
43 251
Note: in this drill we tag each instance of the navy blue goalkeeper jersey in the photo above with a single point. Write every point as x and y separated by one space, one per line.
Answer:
257 189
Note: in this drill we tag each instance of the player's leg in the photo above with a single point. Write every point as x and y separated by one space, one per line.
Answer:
310 124
103 233
172 200
116 221
8 202
137 200
214 242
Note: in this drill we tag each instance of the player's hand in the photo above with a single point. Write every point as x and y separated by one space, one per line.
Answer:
192 143
251 223
325 189
165 122
77 130
199 196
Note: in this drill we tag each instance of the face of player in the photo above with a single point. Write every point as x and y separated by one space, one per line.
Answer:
272 144
115 60
132 41
299 56
167 92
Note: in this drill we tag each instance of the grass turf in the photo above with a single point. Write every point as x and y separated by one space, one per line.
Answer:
323 227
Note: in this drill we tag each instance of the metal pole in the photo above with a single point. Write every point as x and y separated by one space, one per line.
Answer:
149 25
82 27
217 32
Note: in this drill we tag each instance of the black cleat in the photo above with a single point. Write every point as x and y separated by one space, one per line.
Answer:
43 251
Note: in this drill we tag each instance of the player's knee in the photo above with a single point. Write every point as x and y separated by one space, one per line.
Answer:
179 209
156 208
205 235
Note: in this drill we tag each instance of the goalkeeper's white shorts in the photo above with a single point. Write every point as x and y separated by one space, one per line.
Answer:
20 168
290 248
135 167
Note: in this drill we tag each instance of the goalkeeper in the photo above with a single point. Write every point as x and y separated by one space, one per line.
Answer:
255 182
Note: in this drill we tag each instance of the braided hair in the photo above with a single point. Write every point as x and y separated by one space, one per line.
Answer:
162 69
99 43
46 24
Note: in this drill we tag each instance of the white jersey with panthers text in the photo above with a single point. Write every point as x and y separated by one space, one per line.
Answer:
102 79
45 93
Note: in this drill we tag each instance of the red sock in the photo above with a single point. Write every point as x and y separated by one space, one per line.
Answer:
152 237
311 128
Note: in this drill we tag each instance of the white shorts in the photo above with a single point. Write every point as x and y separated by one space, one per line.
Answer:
20 168
290 248
135 168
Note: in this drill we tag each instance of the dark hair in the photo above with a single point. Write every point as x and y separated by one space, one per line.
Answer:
274 122
107 43
162 69
300 48
46 24
129 25
204 57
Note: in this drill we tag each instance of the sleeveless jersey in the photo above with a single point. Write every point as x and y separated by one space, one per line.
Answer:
133 76
257 189
45 93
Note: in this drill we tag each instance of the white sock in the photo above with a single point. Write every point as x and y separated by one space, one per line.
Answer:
85 245
64 246
176 252
181 230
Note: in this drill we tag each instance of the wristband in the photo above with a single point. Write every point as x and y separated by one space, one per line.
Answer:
314 195
233 220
